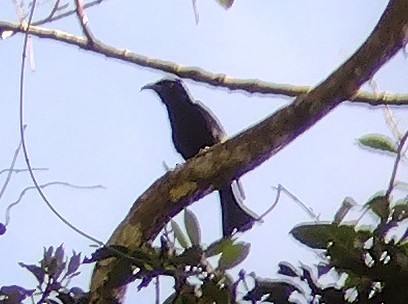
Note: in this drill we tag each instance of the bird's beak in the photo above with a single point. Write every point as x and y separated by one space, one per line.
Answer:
149 86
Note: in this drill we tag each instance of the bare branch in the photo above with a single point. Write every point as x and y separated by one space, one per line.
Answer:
195 73
25 190
52 18
84 21
16 171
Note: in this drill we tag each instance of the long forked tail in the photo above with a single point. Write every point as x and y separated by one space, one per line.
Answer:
235 216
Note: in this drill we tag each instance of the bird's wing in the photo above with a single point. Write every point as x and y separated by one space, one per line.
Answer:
211 120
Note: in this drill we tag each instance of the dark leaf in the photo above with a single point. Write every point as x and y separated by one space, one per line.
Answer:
307 276
55 268
59 254
192 227
323 268
38 272
287 269
74 263
212 293
48 256
15 294
380 206
121 274
191 256
332 295
378 142
277 292
233 255
105 253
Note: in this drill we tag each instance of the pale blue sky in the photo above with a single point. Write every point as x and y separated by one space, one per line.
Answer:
89 124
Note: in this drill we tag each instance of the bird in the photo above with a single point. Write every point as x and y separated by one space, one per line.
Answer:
194 128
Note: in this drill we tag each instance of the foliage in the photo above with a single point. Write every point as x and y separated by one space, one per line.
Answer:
355 263
53 274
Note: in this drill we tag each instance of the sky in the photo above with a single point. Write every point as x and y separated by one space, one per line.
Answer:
89 124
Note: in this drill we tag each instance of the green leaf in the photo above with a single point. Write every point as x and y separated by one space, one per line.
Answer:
320 236
179 235
380 206
233 255
400 210
378 142
212 293
217 247
226 3
192 227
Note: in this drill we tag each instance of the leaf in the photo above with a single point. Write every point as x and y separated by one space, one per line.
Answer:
59 254
278 292
179 235
192 227
217 247
47 257
226 3
191 256
320 236
287 269
380 206
378 142
323 268
233 255
400 211
38 272
74 263
15 294
212 293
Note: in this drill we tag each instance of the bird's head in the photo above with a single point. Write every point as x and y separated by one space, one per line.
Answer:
168 89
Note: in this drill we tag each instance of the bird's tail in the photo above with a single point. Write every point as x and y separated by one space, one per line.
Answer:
234 214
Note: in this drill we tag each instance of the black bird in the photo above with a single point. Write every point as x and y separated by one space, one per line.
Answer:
195 127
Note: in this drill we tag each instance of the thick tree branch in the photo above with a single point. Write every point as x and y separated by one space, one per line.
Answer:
229 160
194 73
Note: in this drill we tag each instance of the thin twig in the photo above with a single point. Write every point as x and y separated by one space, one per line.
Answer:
13 162
278 193
20 197
23 143
55 9
17 171
396 163
50 19
308 210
